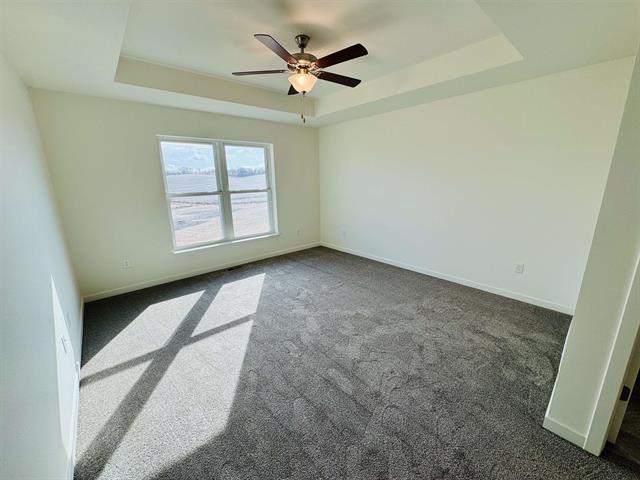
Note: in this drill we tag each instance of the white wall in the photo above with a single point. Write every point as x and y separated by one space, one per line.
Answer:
107 177
39 383
466 187
603 331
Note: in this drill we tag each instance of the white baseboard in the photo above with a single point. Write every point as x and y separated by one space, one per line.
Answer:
470 283
179 276
562 430
462 281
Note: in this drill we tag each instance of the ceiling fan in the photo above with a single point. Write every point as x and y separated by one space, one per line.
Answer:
306 68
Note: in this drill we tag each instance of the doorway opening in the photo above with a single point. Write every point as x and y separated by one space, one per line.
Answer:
624 433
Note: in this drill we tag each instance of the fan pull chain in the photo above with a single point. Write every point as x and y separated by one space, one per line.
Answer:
304 120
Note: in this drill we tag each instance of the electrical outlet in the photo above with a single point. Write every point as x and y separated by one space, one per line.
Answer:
297 232
519 268
126 263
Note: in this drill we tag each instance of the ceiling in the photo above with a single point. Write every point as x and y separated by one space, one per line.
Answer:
181 53
216 38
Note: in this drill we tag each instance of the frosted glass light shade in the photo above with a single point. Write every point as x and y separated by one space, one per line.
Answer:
302 82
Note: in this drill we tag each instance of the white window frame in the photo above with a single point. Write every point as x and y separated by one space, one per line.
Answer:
222 189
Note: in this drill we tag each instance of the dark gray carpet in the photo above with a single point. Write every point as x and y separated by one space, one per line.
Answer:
318 365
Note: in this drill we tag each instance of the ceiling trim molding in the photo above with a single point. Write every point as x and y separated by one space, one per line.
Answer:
150 75
477 57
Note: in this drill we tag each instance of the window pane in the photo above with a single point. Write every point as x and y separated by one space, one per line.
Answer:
189 167
196 219
250 213
246 167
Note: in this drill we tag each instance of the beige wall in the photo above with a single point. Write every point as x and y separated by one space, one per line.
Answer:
39 303
464 188
107 177
603 331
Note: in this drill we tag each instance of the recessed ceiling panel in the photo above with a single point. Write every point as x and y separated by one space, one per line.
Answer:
216 38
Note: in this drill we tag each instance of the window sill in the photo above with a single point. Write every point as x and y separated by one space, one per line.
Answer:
225 242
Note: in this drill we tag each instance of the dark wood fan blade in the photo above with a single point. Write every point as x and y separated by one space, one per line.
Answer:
335 78
275 47
349 53
292 91
259 72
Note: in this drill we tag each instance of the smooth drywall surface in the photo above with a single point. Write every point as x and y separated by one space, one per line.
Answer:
39 302
468 187
107 176
602 334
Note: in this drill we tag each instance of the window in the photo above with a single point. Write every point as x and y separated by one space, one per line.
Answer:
217 191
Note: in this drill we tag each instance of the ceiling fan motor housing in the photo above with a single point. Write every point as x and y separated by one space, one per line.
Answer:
305 60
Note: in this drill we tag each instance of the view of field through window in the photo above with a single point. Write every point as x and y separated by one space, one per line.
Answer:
190 168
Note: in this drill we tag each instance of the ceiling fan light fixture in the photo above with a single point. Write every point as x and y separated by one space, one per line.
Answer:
303 82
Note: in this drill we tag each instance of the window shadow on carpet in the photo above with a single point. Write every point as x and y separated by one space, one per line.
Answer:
322 365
